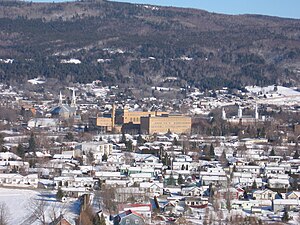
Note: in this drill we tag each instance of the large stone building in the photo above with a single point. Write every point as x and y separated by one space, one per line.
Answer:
135 116
104 123
165 123
121 118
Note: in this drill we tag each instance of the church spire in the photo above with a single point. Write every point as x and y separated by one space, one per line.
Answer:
256 112
73 102
60 99
223 114
240 112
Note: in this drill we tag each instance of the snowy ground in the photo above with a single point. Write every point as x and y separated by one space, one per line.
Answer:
21 204
269 95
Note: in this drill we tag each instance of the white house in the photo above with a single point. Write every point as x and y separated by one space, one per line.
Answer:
152 187
97 148
191 191
17 180
280 204
43 123
264 194
278 183
249 169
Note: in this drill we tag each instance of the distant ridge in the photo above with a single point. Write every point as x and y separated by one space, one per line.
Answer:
134 44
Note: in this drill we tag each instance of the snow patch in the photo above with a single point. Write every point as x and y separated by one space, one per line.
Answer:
114 51
36 81
70 61
185 58
103 60
6 60
151 7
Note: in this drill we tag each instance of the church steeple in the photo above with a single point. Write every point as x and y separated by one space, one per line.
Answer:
240 112
60 99
256 112
73 102
223 114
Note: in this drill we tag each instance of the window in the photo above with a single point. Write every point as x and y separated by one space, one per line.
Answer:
127 221
136 221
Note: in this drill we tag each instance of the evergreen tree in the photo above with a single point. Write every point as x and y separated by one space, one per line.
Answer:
59 194
180 179
104 158
1 141
234 168
161 151
129 145
211 151
171 180
69 136
164 159
211 190
140 140
296 155
32 143
175 142
123 138
20 150
245 195
169 161
254 185
285 218
223 160
272 153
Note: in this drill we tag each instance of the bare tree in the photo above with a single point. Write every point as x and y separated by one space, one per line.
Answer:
128 158
42 210
38 208
86 216
4 214
108 196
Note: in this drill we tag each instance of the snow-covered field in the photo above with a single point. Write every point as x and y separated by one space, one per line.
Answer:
275 95
21 204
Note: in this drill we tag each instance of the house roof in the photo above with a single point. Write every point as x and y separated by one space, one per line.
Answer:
297 193
60 221
62 109
126 213
262 191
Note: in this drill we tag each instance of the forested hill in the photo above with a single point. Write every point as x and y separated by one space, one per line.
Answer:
132 44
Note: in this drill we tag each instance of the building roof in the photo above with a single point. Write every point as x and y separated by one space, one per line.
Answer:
62 109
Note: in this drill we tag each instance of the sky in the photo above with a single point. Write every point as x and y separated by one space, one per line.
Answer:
281 8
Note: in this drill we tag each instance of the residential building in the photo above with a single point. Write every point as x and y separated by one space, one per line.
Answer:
266 194
128 217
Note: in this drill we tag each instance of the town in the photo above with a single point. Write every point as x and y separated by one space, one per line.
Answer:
94 154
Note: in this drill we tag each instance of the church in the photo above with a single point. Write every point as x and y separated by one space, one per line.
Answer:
63 110
244 119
